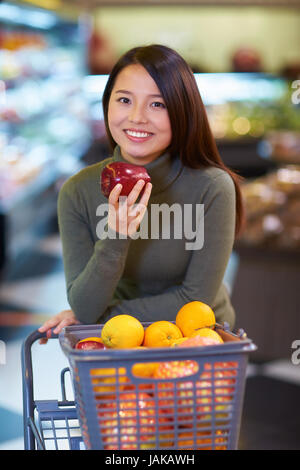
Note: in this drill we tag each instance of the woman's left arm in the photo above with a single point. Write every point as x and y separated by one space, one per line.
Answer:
206 269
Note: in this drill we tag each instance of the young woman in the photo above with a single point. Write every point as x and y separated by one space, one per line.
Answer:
154 117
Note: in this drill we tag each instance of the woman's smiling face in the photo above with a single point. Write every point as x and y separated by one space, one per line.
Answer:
137 116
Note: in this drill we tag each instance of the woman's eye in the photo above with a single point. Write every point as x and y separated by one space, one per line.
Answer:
123 100
158 104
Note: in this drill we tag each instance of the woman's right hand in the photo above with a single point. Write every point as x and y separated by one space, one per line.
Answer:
59 321
124 216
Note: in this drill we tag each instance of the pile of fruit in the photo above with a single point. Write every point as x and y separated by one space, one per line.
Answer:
194 320
156 411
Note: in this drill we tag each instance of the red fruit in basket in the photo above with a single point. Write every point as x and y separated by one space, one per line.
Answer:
198 341
90 343
126 174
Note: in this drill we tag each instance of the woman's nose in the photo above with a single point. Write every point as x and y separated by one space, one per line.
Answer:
137 114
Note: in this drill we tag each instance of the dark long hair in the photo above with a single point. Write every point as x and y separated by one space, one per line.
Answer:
192 138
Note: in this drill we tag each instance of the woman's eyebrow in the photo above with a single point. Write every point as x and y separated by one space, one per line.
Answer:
130 93
123 91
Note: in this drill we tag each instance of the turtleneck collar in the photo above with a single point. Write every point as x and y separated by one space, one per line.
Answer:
163 171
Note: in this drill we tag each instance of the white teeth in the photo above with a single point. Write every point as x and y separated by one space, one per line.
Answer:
137 134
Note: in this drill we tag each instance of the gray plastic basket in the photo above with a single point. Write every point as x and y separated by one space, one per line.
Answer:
119 407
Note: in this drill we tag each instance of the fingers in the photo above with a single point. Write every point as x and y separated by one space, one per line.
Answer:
139 209
132 196
43 341
115 194
146 195
47 327
58 322
48 324
124 214
135 192
63 323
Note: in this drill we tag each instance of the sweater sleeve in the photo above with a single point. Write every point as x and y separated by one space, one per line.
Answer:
90 268
206 269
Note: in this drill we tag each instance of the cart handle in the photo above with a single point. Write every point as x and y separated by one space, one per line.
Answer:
27 384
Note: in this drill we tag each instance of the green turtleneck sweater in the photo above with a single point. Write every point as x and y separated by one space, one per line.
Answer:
149 278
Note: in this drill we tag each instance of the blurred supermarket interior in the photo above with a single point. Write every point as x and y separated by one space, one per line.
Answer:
54 59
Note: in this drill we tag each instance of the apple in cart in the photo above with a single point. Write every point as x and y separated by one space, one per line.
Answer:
198 341
126 174
90 343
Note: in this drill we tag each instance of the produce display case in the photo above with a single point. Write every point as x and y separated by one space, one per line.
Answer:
44 126
269 262
273 209
268 250
247 110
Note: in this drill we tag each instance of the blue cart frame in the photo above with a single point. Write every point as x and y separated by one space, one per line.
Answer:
47 423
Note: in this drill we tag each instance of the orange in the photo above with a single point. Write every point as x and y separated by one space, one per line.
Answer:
207 333
194 315
108 379
146 369
107 372
161 334
122 331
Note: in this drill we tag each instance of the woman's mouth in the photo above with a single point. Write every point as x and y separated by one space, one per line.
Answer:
137 136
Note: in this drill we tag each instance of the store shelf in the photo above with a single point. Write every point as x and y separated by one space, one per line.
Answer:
45 179
45 128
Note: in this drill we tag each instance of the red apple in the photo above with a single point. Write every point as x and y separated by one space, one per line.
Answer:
198 341
90 343
123 173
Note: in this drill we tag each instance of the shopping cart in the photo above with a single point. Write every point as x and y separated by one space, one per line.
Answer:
119 405
48 424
